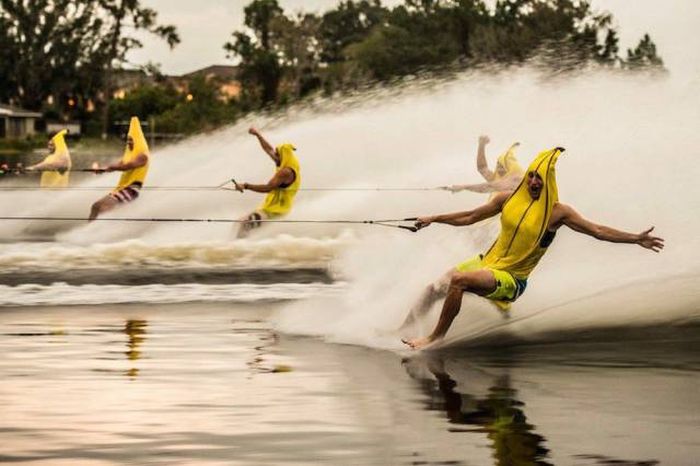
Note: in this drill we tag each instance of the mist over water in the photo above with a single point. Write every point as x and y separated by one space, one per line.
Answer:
631 162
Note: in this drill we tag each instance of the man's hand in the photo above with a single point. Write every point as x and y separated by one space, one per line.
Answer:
483 140
453 188
647 241
98 170
253 131
240 187
423 222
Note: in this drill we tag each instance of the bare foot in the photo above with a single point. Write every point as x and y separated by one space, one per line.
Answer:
417 343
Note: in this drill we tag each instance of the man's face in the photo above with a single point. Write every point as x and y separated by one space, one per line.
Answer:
130 142
534 185
52 147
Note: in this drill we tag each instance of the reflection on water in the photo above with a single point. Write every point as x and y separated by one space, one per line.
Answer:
197 384
135 331
499 415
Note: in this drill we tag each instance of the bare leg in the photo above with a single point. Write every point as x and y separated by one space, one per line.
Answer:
249 222
480 282
431 293
105 204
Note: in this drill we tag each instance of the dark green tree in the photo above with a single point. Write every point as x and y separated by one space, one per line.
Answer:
351 22
261 70
45 47
644 56
123 19
296 45
203 111
145 101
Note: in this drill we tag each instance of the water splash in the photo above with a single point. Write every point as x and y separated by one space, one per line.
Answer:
630 162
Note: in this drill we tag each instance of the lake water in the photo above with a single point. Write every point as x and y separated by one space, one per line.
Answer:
215 384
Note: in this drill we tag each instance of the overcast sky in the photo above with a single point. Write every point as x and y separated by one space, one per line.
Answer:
205 25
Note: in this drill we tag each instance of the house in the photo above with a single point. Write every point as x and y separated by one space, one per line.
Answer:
225 77
125 80
17 122
73 127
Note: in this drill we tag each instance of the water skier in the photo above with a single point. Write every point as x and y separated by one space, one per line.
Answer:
281 188
134 165
505 177
530 218
56 166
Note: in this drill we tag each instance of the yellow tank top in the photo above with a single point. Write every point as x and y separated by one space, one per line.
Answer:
279 201
519 246
135 175
57 179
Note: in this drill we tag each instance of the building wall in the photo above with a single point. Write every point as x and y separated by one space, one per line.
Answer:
19 127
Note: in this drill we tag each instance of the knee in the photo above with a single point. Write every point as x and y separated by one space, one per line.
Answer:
460 281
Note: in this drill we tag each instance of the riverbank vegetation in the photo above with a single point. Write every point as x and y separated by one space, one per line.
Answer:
61 57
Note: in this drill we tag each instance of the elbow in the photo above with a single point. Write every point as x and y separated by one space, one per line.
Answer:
599 234
463 221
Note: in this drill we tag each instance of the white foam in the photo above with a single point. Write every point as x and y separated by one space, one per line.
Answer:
61 294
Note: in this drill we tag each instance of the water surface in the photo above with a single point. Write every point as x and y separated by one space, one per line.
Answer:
215 384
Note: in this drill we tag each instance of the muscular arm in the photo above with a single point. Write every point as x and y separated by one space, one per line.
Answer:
481 164
139 161
285 176
467 217
567 215
266 146
61 164
504 184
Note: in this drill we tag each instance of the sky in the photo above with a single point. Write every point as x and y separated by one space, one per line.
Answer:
205 25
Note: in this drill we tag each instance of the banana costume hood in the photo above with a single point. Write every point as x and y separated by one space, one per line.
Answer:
509 163
135 175
279 201
58 178
524 220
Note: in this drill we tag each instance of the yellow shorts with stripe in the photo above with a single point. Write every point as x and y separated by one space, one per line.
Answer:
508 288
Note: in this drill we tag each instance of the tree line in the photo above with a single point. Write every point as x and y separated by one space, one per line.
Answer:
60 56
285 56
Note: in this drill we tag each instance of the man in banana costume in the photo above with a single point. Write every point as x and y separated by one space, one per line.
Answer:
134 167
56 166
505 177
281 188
530 218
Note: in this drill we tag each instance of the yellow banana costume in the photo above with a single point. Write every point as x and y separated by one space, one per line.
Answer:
279 201
135 175
523 239
509 163
57 179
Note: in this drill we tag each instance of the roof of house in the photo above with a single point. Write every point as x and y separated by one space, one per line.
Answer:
220 71
12 111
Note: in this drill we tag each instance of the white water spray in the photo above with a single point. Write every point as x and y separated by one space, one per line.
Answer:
631 162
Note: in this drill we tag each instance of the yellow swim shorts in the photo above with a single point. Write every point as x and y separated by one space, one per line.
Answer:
508 288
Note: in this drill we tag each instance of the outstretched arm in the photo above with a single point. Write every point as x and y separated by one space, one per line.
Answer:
60 164
139 161
572 219
467 217
266 146
504 184
281 178
481 164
